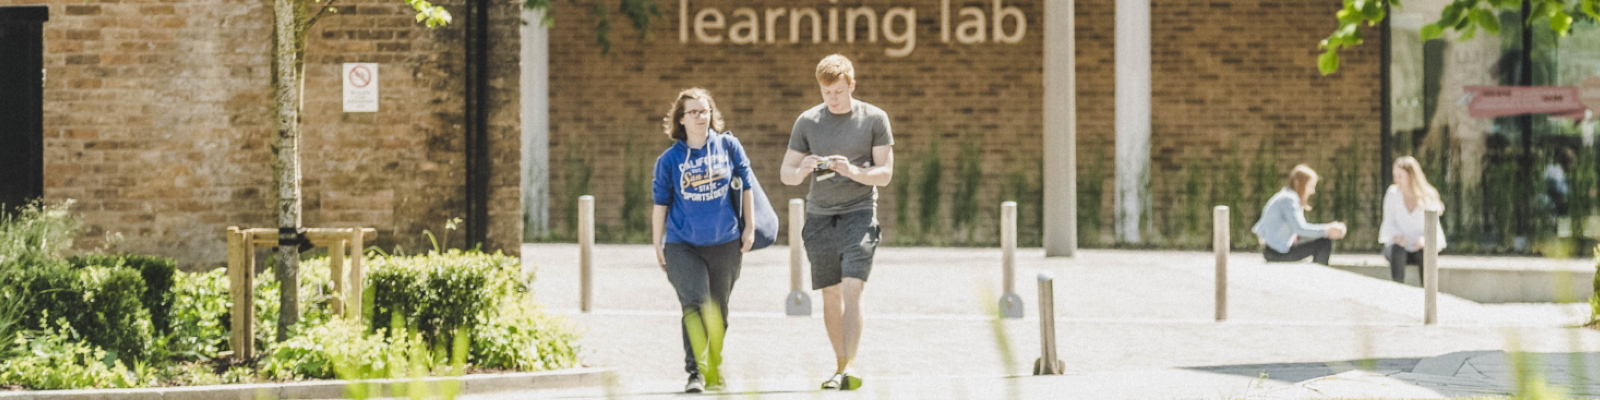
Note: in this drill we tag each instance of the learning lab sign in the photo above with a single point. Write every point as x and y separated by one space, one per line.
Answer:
994 22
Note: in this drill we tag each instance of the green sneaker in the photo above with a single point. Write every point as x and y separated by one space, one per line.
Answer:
850 382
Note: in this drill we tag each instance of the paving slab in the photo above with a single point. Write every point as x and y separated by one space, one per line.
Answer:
1130 324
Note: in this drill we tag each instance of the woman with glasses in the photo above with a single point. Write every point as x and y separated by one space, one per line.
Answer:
696 230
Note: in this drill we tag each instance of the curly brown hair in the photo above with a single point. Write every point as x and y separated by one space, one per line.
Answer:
674 128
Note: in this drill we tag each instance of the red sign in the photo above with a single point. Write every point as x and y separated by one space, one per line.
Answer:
1503 101
360 76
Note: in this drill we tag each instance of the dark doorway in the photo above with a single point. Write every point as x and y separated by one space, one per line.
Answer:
22 106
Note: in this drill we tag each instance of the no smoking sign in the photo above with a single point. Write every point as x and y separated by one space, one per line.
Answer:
360 87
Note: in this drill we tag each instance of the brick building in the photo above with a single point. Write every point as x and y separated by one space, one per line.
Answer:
1229 78
156 120
156 112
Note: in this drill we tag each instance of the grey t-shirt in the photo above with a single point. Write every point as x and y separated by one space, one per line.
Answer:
821 132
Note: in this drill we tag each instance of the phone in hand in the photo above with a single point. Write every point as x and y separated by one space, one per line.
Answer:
824 169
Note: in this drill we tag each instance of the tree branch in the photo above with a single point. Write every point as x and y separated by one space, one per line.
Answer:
324 10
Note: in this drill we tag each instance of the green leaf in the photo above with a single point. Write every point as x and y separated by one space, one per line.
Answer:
1486 19
1346 31
1373 9
1592 7
1431 31
1561 23
1328 62
1348 16
1469 33
1449 16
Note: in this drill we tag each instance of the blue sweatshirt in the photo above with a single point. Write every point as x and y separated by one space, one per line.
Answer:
695 185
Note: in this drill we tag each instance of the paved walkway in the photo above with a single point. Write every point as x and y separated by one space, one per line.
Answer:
1131 324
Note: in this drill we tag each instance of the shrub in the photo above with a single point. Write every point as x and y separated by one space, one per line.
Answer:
199 315
929 191
36 235
312 351
315 289
525 339
58 358
964 207
13 308
158 274
440 293
101 303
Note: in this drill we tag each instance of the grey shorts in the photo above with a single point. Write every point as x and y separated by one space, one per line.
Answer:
840 246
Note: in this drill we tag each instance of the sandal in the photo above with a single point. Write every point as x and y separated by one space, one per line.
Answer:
833 382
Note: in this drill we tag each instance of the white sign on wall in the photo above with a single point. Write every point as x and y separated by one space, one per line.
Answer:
360 87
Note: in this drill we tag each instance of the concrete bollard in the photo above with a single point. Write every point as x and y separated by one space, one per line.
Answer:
1430 267
1010 303
1221 241
798 303
586 252
1048 363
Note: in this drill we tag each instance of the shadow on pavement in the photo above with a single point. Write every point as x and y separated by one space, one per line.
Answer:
1296 372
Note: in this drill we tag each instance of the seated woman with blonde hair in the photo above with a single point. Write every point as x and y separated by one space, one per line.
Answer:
1284 232
1403 204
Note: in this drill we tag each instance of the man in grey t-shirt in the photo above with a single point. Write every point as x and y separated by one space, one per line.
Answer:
844 147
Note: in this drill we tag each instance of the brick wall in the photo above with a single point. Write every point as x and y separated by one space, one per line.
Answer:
1226 74
157 122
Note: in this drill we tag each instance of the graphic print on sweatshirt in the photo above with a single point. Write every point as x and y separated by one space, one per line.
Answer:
705 178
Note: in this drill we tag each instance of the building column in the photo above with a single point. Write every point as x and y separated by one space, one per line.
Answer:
1133 118
1060 132
535 126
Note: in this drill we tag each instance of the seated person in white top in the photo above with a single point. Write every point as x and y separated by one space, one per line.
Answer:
1403 206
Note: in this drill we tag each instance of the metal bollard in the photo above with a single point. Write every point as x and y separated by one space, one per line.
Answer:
586 251
1220 243
1047 329
798 303
1010 303
1430 267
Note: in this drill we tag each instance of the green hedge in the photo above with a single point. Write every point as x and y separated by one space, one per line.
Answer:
436 294
158 274
102 304
417 303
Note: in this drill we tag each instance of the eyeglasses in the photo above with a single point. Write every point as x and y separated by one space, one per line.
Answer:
696 113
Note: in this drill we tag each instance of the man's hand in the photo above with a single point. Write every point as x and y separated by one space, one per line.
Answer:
811 161
1400 240
841 164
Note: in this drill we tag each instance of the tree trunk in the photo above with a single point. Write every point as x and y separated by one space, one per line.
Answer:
287 83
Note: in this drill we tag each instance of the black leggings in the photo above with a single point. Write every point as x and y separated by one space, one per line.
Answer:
1319 250
1398 258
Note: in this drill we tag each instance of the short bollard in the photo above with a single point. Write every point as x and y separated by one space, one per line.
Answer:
798 303
585 251
1430 267
1048 363
1220 241
1010 303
